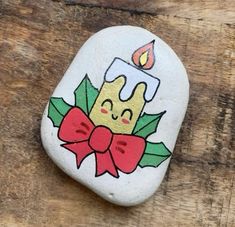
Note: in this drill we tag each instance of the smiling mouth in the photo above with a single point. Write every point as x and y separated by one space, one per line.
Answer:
114 117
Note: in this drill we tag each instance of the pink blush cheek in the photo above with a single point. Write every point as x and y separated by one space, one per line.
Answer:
125 121
104 111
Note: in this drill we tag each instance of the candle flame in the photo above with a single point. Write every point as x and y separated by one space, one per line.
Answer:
144 56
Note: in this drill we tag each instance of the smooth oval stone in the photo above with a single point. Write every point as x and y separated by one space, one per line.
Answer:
113 120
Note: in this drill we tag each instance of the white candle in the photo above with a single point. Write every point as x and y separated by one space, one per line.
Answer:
133 77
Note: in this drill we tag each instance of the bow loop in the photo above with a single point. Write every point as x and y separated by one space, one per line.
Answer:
75 127
127 151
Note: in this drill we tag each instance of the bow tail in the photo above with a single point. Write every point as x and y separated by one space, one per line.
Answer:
80 149
104 163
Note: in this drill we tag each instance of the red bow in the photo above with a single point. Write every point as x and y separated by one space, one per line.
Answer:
112 151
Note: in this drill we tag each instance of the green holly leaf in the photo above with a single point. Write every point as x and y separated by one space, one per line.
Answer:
154 155
147 124
85 95
57 109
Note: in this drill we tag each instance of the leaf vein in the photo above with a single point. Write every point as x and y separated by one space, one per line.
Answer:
56 107
157 154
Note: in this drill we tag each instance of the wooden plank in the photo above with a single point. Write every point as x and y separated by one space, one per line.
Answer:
37 43
209 10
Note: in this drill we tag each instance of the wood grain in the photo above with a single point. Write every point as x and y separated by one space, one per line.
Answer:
38 40
209 10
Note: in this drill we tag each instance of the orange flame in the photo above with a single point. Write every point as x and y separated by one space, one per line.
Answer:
144 56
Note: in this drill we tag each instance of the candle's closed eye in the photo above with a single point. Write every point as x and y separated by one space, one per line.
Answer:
127 113
108 104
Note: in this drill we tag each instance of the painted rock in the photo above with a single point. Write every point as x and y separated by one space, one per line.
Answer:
112 121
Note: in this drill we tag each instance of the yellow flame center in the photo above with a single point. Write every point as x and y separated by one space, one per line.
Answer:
144 58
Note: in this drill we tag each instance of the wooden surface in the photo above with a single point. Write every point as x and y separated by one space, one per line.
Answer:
38 40
210 10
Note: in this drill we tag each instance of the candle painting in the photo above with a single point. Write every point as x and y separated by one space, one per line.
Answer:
110 122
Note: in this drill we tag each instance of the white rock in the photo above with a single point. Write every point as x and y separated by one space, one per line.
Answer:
117 60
